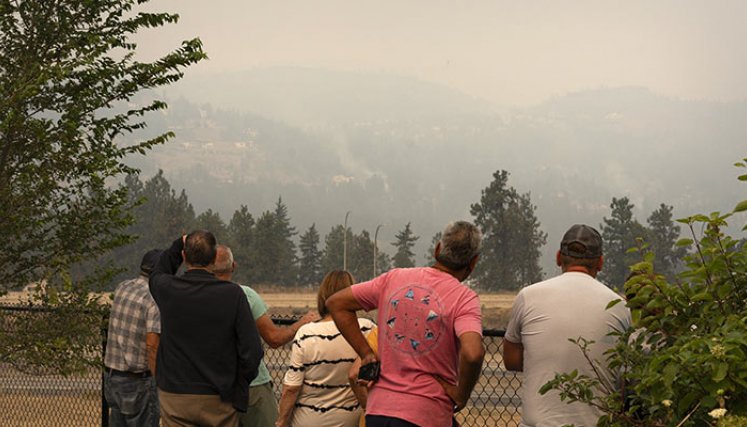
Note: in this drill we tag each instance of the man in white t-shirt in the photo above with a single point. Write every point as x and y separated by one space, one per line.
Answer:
545 315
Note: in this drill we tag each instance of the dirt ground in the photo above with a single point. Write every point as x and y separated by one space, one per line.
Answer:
496 307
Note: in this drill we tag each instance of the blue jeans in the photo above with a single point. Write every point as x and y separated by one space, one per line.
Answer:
133 401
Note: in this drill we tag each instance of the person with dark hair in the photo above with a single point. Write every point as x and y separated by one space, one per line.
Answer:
130 356
263 407
210 348
547 314
430 335
316 391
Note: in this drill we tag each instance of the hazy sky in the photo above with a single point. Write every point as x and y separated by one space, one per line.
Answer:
509 52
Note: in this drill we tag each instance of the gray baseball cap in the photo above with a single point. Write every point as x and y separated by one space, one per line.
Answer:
588 242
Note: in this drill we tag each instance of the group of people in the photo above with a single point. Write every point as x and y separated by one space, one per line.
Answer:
184 345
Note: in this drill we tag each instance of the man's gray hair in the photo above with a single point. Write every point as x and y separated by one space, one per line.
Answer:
460 242
223 260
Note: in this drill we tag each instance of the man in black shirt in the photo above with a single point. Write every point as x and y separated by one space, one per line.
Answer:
210 348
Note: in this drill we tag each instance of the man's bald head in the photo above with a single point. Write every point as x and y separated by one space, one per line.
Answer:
224 264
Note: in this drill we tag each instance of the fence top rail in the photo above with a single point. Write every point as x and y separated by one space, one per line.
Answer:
500 333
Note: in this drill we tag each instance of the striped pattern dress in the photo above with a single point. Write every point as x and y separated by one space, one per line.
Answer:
319 363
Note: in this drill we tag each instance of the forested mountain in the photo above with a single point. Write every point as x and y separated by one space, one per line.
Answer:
573 154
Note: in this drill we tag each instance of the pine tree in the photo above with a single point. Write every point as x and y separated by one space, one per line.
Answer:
619 233
284 232
310 264
265 249
333 251
212 222
240 236
429 259
273 249
160 215
361 257
662 235
405 240
512 237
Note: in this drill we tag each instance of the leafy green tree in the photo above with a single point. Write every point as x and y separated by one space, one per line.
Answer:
67 73
683 360
310 263
241 232
512 237
662 235
405 240
619 234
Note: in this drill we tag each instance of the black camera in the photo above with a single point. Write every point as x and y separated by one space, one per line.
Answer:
369 371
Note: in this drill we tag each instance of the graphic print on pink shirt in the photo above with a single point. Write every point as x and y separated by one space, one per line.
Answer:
414 325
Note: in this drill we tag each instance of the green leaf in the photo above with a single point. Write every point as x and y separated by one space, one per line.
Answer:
742 177
684 242
741 206
613 303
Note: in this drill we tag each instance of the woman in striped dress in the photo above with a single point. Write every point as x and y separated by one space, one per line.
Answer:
316 391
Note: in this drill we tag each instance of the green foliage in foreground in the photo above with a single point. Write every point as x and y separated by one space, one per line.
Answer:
683 363
67 75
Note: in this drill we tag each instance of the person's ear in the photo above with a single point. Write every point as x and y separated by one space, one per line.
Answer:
437 251
233 266
557 259
600 263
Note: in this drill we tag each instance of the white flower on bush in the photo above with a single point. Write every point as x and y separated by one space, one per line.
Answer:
666 402
717 413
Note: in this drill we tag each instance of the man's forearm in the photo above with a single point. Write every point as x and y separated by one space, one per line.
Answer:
469 374
343 306
471 355
151 348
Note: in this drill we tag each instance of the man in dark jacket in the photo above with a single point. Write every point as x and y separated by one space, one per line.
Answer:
210 348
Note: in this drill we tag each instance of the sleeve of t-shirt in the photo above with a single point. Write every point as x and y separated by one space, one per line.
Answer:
513 330
469 316
294 374
367 293
258 306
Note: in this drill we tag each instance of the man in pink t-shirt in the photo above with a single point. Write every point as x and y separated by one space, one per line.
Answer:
430 334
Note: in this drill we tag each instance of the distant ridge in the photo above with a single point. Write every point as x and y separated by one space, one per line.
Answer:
306 96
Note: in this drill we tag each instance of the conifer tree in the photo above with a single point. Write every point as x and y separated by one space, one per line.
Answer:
662 235
241 232
619 234
512 237
405 240
310 263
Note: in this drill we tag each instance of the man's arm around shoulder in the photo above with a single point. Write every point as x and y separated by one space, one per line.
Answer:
248 344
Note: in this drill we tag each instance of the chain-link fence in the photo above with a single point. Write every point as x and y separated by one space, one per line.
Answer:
35 397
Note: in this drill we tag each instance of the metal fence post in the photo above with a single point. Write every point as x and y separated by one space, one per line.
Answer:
104 404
